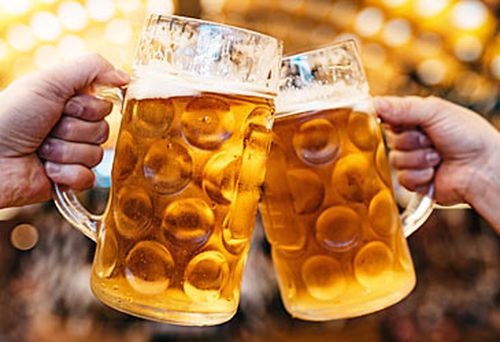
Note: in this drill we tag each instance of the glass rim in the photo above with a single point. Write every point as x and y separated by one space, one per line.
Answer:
170 17
350 42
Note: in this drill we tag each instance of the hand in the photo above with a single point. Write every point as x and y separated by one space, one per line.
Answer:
51 127
435 139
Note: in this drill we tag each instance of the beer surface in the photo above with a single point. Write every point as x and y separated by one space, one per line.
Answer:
186 180
331 218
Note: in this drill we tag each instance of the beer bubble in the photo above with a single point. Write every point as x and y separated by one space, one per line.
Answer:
188 221
133 213
323 277
107 253
338 229
207 122
383 213
126 155
316 142
382 165
307 190
149 267
152 118
219 177
362 131
350 175
205 276
373 265
168 167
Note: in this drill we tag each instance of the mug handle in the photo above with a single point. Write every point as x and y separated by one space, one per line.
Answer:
417 211
66 200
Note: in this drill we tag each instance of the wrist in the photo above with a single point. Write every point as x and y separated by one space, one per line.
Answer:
483 192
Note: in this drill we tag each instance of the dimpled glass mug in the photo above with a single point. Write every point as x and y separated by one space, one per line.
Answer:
190 158
338 243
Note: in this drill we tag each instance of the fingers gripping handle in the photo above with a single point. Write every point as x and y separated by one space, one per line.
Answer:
417 211
66 201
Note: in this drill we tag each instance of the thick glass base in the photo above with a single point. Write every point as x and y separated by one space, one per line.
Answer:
160 314
348 309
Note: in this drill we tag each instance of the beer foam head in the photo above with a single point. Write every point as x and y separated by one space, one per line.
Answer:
317 96
160 81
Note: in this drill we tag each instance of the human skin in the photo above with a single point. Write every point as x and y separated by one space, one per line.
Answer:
433 140
51 128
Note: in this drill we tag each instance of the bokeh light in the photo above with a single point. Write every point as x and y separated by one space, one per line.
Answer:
432 71
72 15
24 237
46 26
468 48
71 46
15 6
128 6
430 8
396 32
21 37
469 14
369 21
45 56
119 31
101 10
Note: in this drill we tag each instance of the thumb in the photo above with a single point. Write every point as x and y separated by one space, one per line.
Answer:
75 75
406 111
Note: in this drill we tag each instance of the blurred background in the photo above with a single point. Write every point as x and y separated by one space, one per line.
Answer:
448 48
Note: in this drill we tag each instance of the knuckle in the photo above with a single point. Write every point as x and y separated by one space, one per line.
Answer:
66 127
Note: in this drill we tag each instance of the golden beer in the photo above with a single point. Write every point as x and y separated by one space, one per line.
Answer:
188 166
338 242
186 179
331 218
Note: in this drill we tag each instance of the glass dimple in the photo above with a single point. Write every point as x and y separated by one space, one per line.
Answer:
338 229
207 123
323 277
306 189
188 221
316 142
383 213
361 129
168 167
152 119
149 267
133 212
219 177
373 265
206 276
126 151
350 175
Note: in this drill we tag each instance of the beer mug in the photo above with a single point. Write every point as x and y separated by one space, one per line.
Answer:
329 211
189 162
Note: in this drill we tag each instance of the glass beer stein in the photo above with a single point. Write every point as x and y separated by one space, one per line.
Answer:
329 211
189 161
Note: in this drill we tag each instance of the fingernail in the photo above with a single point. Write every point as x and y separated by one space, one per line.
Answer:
52 168
432 158
424 141
123 76
74 108
45 149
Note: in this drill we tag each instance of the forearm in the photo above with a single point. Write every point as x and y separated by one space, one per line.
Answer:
484 196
